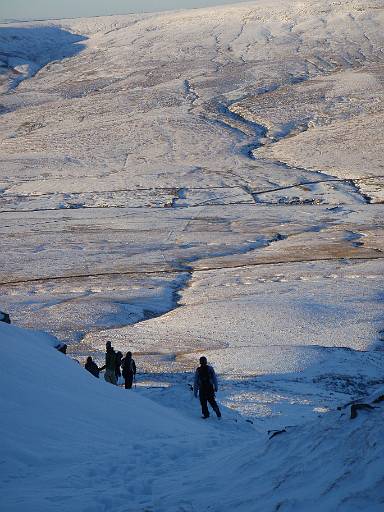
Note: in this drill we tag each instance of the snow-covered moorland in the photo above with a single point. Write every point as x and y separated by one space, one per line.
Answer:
204 181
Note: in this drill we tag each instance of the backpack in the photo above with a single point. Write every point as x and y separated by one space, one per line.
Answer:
205 377
128 366
110 360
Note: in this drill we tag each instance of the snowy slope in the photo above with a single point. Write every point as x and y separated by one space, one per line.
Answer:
71 442
60 426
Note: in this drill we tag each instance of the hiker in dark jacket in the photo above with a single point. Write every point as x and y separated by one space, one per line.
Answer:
206 384
92 367
119 357
129 370
110 364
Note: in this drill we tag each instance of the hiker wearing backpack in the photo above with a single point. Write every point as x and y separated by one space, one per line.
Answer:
92 367
205 385
110 364
129 370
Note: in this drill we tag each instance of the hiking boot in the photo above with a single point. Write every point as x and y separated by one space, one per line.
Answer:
204 417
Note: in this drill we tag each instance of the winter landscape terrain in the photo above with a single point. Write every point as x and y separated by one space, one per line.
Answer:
204 181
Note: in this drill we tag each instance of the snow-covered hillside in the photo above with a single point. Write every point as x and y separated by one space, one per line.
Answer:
203 181
72 442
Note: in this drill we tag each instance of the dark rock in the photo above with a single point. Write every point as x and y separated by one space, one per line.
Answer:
4 317
273 433
357 407
62 347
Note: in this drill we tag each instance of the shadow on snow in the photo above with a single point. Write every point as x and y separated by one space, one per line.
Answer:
25 50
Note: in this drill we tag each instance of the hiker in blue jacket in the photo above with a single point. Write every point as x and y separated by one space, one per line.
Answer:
206 384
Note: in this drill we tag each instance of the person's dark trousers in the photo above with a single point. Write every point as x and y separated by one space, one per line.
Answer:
128 380
206 398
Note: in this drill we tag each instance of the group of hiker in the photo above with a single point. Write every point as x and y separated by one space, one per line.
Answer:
205 383
115 367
